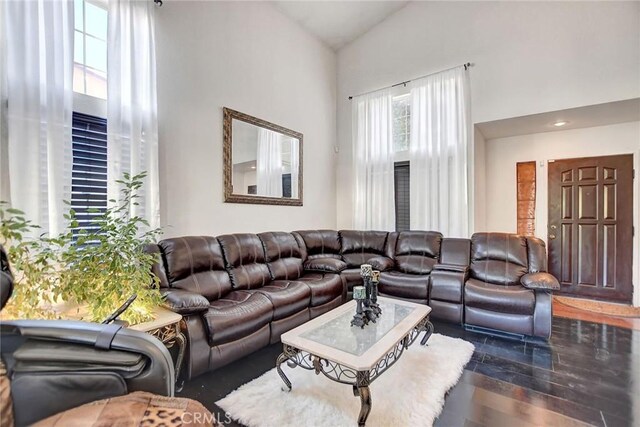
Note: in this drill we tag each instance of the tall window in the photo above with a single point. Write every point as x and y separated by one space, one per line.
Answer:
401 122
401 137
90 48
89 131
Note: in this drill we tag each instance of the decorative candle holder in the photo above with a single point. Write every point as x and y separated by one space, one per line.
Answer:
366 270
360 319
373 304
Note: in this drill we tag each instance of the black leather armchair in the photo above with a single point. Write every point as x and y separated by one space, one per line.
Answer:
54 365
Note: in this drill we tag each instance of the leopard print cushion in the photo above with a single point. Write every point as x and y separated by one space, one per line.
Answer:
139 409
6 408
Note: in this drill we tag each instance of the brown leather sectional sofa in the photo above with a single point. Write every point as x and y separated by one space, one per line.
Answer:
239 292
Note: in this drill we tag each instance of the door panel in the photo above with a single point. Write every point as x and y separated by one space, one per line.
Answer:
590 226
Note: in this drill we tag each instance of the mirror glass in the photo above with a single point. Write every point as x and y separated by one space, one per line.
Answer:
265 164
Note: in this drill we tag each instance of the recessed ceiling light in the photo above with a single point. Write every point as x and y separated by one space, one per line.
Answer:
253 167
560 123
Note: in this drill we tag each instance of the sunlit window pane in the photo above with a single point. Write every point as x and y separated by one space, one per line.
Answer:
90 49
77 11
401 123
78 78
96 53
96 21
96 83
78 47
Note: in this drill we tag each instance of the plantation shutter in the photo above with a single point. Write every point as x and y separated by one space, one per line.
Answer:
402 196
89 171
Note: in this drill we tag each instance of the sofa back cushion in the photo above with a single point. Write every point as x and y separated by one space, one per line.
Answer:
416 252
537 252
283 255
196 264
245 260
320 244
360 246
498 258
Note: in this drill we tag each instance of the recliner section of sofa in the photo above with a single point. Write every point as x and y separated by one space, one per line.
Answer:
240 292
413 255
508 287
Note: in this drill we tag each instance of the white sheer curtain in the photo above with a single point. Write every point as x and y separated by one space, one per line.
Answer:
38 67
440 152
269 163
131 102
295 167
374 206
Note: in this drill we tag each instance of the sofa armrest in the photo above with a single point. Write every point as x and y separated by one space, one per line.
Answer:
325 265
540 281
184 302
381 263
451 267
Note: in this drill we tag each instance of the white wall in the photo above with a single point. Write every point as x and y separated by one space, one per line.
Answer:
502 154
529 57
249 57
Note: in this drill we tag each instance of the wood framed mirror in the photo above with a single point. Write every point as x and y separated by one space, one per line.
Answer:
262 161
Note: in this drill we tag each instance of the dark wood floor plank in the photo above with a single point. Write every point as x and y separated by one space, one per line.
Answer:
570 409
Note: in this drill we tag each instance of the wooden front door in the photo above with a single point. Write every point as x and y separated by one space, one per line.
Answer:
591 226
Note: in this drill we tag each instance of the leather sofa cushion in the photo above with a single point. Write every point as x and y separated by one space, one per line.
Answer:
283 255
537 252
447 285
287 297
320 243
245 260
325 287
498 298
416 252
326 265
498 258
196 264
238 314
381 263
404 285
157 268
360 246
454 251
352 276
184 302
542 281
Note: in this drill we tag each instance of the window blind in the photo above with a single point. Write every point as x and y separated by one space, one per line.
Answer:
402 192
89 171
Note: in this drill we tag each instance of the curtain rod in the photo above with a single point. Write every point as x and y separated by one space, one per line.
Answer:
465 65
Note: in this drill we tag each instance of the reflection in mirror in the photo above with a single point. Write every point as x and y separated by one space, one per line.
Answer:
263 161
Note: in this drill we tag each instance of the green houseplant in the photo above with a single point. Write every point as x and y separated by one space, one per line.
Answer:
99 267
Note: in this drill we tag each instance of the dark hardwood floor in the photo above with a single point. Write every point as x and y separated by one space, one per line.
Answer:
587 374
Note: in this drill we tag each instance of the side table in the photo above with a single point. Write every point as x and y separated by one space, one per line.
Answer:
166 327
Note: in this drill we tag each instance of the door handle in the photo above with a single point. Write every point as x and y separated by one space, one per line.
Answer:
552 236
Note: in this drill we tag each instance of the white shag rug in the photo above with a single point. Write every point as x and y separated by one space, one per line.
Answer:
410 393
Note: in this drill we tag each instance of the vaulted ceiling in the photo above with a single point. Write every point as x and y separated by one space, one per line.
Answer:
338 23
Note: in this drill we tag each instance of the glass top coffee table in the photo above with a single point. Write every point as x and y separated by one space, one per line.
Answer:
350 355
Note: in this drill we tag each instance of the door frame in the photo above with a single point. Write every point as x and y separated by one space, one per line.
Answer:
542 209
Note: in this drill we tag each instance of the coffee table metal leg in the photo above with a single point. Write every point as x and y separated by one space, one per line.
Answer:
428 331
365 404
281 359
